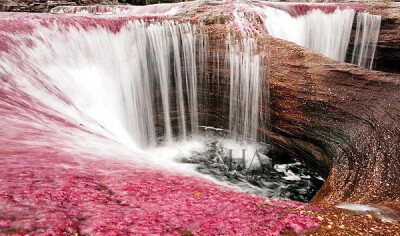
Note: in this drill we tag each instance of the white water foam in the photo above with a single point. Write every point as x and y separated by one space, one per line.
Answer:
119 84
110 78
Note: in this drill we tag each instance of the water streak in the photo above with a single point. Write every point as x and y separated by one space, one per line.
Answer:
245 84
366 38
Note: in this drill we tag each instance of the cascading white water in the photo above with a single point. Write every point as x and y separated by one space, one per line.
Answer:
125 84
366 38
325 29
328 34
189 56
147 68
245 85
115 83
160 53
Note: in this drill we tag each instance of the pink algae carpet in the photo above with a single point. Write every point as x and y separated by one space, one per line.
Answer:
45 192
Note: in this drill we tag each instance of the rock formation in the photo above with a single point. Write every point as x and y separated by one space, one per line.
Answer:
338 118
388 48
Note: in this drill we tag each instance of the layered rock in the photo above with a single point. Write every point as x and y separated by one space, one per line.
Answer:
388 47
337 115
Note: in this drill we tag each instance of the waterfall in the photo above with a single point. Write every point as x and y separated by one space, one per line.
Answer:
245 85
328 34
189 53
120 84
137 83
367 33
136 79
324 28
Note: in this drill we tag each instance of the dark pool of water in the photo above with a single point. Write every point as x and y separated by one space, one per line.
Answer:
271 173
